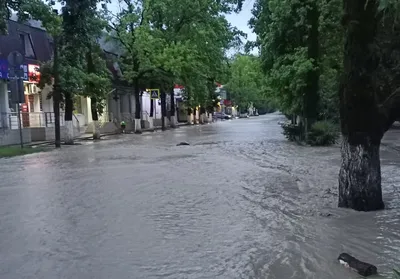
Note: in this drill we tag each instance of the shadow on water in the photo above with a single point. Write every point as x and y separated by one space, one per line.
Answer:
239 202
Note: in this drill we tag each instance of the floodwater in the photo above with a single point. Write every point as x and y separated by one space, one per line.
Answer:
240 202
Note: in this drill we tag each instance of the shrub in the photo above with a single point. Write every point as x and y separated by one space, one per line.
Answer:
291 131
323 133
396 274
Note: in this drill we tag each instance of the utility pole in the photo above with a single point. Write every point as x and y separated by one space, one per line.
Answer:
163 109
15 60
56 88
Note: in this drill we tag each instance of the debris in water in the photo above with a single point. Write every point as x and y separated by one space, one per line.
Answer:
325 214
362 268
182 143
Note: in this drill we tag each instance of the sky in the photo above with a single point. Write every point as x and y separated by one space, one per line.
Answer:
240 20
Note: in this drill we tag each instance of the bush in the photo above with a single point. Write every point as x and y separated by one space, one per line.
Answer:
396 274
323 133
291 131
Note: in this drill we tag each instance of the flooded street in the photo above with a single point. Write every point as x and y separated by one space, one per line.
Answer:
240 202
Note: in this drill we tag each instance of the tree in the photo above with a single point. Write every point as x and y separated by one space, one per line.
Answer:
369 98
129 28
300 45
245 83
183 27
76 32
97 84
25 9
78 28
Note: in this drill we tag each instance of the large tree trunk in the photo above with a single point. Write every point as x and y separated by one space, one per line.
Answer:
189 116
194 113
163 111
173 109
91 68
69 125
56 92
151 117
138 124
312 89
95 118
361 120
360 177
203 115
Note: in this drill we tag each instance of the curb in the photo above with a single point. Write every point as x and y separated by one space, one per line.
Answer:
143 131
80 138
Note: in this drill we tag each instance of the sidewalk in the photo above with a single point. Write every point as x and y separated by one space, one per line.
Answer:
89 136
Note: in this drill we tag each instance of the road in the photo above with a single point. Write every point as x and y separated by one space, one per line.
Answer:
239 202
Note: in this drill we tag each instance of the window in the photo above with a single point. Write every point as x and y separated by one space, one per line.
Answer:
27 45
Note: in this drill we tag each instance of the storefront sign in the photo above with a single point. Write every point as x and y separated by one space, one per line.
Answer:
5 72
33 73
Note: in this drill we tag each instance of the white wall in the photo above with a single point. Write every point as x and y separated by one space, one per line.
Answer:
3 104
36 102
47 104
146 105
3 97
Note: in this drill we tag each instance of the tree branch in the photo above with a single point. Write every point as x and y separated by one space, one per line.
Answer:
142 16
143 72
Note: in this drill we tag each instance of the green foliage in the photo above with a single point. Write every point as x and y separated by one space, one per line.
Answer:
323 133
97 80
282 29
292 132
26 9
12 151
396 274
265 106
163 42
246 80
76 32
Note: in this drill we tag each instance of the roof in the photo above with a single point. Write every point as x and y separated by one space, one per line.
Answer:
43 47
41 42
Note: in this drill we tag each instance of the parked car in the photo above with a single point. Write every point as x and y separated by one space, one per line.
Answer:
221 115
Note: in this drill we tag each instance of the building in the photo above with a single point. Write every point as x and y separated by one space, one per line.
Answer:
37 111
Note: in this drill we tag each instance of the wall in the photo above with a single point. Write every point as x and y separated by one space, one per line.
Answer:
86 111
47 104
45 134
146 106
11 137
3 104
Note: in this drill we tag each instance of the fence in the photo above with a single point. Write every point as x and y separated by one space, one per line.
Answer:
29 120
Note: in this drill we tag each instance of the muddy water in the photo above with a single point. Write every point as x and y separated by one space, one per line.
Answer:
240 202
